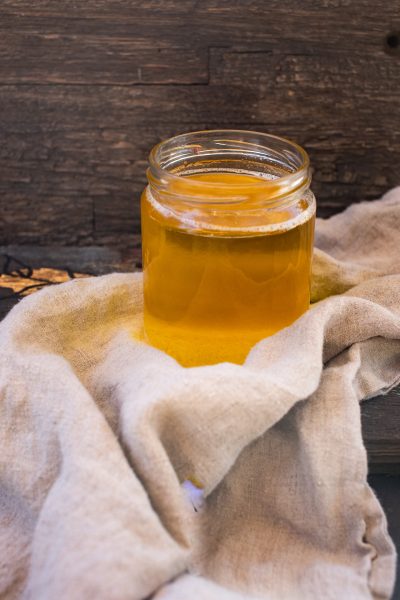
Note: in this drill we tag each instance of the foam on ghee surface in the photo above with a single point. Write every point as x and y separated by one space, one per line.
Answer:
218 281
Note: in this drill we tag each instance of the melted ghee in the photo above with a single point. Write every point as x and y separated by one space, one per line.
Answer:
213 289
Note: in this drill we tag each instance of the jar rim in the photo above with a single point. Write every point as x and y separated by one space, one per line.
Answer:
300 174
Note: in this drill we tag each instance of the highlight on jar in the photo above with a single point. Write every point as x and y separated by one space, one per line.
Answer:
227 240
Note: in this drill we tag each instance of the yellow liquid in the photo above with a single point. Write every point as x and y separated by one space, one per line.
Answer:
211 294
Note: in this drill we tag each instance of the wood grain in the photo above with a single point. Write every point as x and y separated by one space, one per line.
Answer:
87 88
381 432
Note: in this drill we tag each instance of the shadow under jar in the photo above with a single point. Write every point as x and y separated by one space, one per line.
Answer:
227 234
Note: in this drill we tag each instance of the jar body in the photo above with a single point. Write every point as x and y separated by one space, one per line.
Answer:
213 290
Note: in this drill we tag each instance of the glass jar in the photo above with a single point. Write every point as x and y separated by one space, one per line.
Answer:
227 234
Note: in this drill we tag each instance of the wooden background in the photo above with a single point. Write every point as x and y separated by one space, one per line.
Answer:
88 86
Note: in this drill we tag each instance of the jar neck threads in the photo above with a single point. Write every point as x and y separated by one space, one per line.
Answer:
230 183
280 168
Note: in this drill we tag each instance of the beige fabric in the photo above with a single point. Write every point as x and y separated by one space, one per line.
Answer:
98 431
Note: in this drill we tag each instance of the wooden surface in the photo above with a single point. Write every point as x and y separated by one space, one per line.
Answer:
87 88
25 269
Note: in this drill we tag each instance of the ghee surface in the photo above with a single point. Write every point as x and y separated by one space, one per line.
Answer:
211 292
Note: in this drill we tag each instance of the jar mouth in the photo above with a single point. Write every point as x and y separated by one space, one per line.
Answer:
280 166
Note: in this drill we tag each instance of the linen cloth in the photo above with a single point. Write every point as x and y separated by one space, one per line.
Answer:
126 476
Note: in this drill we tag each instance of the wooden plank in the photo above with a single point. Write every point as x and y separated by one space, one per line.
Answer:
86 89
322 74
95 59
337 25
381 430
96 260
33 217
66 142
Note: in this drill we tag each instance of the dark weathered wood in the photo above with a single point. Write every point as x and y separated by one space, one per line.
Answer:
96 60
353 25
381 431
64 164
96 260
86 89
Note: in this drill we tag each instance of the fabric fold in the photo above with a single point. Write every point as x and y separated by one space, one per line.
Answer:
100 435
